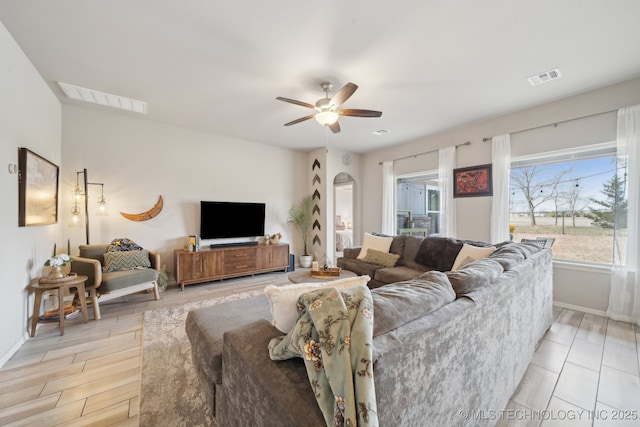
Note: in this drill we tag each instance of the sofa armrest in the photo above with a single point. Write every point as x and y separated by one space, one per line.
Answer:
351 253
154 258
258 391
88 267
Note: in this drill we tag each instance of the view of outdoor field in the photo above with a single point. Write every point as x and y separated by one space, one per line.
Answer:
578 199
585 242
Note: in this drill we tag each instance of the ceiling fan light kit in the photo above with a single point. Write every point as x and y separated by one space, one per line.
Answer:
327 109
326 118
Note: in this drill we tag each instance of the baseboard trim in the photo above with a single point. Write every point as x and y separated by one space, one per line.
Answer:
14 349
580 308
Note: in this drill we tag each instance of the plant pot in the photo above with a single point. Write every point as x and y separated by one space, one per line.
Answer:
305 260
56 273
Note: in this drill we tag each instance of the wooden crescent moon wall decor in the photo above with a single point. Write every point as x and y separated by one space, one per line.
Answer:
144 216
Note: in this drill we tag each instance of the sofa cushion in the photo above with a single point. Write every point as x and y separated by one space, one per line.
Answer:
358 267
508 256
397 245
470 253
438 253
397 274
283 300
378 243
397 304
123 279
411 246
474 275
385 259
351 253
526 249
126 260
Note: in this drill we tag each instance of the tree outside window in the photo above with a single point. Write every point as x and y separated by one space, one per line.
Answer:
577 198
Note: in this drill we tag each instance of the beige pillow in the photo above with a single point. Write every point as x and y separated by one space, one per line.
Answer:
379 243
470 253
283 300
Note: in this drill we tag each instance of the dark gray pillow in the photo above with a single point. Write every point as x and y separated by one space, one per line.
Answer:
438 253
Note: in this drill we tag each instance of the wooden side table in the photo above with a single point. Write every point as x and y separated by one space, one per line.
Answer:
49 285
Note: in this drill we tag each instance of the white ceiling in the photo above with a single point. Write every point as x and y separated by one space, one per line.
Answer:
217 66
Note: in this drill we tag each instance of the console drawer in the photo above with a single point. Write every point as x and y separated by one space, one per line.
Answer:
239 260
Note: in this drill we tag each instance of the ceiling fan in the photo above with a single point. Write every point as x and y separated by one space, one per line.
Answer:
327 109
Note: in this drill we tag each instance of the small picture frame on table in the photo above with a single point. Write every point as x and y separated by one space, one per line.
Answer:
474 181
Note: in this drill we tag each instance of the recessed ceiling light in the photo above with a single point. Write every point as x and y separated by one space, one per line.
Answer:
380 132
544 77
101 98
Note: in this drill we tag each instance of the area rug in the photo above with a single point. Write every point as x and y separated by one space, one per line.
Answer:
170 394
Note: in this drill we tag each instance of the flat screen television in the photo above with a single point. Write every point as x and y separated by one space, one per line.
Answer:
219 220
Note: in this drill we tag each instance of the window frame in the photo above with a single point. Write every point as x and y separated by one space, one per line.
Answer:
424 175
585 152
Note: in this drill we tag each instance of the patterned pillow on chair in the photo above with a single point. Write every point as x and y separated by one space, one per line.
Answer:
126 260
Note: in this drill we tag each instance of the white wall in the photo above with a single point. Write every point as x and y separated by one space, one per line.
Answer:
29 117
578 287
138 160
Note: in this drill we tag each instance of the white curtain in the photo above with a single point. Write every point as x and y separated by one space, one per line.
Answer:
446 165
624 299
388 199
501 160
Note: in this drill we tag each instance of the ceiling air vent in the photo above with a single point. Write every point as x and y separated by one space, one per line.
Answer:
545 77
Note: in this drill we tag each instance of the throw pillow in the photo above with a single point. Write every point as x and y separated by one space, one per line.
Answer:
378 243
384 259
125 260
472 253
283 300
123 244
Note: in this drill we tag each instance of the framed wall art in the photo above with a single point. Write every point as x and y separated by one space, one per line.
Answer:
473 181
37 189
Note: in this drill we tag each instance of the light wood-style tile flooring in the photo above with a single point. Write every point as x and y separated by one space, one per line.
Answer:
585 371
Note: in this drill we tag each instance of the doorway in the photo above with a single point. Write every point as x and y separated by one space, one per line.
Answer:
343 187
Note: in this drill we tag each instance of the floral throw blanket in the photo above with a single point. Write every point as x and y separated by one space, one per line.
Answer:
333 335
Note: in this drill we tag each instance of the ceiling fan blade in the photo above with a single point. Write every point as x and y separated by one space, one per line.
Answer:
293 101
343 94
301 119
359 113
335 127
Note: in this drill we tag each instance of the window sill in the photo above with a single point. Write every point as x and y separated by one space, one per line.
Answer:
583 266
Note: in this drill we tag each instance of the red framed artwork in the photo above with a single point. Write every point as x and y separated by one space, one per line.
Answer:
473 181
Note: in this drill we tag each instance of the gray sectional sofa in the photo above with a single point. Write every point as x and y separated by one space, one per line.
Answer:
417 256
444 343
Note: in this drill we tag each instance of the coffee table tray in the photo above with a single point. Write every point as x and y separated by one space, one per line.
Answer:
327 272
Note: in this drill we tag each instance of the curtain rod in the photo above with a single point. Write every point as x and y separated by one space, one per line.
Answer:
554 124
425 152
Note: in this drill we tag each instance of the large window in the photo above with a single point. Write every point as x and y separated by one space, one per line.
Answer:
418 204
576 197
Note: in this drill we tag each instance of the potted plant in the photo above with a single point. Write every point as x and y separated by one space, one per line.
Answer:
300 215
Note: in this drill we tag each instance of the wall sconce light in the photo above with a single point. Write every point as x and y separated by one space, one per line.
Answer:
83 191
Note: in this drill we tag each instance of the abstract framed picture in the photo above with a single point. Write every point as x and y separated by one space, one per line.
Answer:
473 181
37 189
